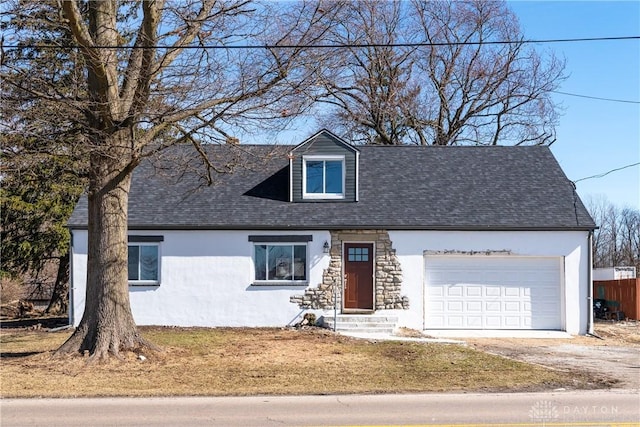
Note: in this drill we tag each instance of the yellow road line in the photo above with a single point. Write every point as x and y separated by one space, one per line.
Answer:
528 424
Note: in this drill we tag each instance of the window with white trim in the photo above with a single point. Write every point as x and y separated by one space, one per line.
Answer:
144 263
323 177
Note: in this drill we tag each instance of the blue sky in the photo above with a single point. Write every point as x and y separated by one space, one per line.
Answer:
594 136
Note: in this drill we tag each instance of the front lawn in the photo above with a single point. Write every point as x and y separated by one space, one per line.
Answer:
246 361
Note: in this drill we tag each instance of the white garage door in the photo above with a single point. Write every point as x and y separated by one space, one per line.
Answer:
493 292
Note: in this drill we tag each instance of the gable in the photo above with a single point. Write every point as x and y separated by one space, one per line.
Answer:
321 150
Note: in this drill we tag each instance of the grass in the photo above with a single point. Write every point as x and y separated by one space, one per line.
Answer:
239 361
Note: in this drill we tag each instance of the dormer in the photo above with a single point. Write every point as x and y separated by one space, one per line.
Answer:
324 168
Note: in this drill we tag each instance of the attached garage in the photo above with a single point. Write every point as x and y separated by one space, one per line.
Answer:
493 292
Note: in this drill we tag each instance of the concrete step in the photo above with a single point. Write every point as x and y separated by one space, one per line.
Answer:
362 323
364 332
363 318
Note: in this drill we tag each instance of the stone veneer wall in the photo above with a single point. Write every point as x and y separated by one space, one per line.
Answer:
388 274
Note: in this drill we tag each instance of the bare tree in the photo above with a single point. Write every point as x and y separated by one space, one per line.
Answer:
371 91
598 209
429 73
158 73
616 242
630 237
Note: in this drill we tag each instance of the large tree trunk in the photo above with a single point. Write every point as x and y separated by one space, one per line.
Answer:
59 302
107 325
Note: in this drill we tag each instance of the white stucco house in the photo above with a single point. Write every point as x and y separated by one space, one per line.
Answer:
430 238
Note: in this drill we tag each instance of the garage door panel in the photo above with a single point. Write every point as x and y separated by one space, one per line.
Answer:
454 321
474 306
473 291
514 292
492 307
512 307
435 291
455 306
473 322
493 322
512 322
436 307
493 292
455 291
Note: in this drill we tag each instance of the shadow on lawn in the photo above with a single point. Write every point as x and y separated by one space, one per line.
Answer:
34 322
16 355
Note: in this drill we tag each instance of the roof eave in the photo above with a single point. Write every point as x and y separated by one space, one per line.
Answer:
342 227
333 135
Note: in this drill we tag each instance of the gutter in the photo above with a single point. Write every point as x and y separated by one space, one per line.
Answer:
249 227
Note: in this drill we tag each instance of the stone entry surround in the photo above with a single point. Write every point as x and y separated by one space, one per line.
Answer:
388 274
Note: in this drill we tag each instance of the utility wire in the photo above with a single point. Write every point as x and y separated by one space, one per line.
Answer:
607 173
596 97
325 46
342 46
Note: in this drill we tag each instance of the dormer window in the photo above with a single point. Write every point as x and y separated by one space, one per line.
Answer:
324 168
323 177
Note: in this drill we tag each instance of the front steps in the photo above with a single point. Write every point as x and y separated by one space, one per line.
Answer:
361 323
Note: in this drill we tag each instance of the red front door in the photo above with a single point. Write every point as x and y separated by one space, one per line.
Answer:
358 273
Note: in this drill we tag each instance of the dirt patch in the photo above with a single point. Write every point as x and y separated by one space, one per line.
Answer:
613 353
623 333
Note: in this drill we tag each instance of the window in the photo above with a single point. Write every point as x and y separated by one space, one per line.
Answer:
358 254
143 263
323 177
280 263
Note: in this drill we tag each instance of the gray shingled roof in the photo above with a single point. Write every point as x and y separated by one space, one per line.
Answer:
401 187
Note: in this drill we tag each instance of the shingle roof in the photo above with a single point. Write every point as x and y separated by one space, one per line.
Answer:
400 187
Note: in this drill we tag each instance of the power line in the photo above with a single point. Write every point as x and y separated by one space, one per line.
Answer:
596 97
363 45
607 173
327 46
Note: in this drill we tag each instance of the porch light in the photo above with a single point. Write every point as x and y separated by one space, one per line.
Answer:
325 247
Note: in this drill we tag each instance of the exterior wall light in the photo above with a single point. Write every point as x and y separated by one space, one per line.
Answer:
325 247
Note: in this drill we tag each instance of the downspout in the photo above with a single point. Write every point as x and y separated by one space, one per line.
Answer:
590 322
71 289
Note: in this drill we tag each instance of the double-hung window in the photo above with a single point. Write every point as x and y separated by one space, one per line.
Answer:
281 260
323 177
144 260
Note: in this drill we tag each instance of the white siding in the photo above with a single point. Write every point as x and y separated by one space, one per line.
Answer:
206 280
206 275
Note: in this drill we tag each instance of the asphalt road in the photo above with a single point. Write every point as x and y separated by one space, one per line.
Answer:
566 408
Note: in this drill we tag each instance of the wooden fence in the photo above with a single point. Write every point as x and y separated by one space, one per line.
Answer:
621 295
